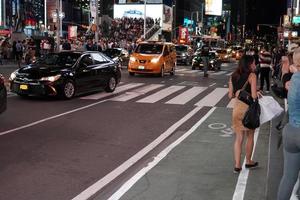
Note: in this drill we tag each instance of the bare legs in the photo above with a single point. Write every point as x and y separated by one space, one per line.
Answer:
238 143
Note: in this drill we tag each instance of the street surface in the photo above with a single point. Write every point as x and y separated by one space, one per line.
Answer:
153 138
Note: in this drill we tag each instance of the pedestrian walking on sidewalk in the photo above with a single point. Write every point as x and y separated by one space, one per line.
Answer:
244 78
265 68
291 135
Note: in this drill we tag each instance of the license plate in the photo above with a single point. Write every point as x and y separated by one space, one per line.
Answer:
141 67
23 87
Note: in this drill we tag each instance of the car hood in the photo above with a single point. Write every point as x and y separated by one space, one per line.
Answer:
35 71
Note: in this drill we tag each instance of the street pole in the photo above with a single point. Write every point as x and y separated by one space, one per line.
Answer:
57 26
45 15
96 22
145 3
60 18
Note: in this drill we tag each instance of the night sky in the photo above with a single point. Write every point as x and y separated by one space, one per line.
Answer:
264 12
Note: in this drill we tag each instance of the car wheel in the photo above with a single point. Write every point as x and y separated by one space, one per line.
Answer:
68 90
162 72
131 73
172 72
111 84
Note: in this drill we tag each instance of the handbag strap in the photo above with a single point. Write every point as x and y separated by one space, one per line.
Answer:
244 86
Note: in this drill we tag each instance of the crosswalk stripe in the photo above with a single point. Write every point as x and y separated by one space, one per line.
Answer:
231 103
219 73
117 91
181 70
213 98
161 94
229 74
138 92
186 96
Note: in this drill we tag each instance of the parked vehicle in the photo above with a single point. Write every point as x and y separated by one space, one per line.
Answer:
213 64
118 55
153 58
3 95
184 54
66 74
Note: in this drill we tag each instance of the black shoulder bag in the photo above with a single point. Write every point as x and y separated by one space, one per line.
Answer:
244 96
251 117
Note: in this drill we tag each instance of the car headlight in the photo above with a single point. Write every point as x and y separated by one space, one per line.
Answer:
211 62
226 56
132 59
51 78
13 75
154 60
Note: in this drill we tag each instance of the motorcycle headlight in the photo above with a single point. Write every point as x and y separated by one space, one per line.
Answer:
132 59
154 60
13 75
51 78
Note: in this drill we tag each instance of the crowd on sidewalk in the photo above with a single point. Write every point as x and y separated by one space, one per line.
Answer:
285 68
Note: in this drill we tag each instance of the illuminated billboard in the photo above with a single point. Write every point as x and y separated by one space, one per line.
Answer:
213 7
137 11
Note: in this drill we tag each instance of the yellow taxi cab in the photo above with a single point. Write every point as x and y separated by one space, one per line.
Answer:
153 57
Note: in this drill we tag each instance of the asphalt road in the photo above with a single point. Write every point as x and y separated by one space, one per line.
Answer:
90 146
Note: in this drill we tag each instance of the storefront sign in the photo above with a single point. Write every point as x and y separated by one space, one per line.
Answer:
183 35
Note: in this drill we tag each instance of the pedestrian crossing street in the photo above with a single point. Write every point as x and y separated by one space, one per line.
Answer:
200 72
167 94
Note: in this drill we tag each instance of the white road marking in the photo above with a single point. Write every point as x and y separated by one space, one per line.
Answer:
231 103
135 93
212 84
117 91
243 176
186 96
50 118
161 94
229 74
180 70
213 98
128 184
219 73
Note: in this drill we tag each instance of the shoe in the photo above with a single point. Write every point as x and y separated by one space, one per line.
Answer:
251 166
237 170
205 75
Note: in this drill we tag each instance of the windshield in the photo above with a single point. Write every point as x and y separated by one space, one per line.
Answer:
59 59
149 48
181 48
112 53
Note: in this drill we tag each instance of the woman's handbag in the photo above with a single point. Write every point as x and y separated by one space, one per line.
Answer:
251 118
244 96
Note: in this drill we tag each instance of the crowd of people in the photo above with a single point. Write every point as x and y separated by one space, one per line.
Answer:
284 67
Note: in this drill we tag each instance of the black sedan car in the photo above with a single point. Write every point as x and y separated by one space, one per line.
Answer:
3 95
66 74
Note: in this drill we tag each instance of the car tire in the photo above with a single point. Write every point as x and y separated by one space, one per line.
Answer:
131 73
111 84
68 90
172 72
162 72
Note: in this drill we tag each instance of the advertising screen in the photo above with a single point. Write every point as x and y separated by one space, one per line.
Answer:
213 7
167 18
137 11
140 1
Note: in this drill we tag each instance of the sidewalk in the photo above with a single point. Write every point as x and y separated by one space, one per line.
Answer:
201 167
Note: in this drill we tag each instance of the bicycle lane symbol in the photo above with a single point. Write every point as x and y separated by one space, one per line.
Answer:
225 131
